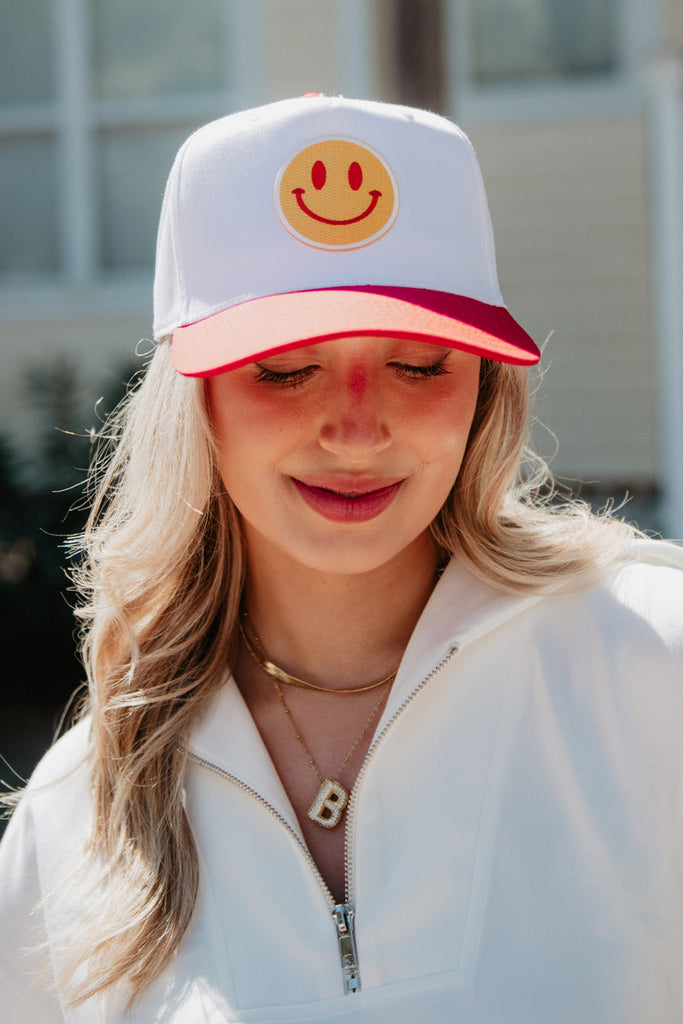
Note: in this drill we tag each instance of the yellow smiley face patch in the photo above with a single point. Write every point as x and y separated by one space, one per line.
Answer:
337 194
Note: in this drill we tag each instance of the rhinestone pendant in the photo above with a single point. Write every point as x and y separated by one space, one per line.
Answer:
328 806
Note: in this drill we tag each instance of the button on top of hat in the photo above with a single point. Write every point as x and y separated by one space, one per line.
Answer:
337 193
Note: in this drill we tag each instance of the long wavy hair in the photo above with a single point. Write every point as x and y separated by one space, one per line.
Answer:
161 578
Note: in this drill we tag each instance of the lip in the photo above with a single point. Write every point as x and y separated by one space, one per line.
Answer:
331 498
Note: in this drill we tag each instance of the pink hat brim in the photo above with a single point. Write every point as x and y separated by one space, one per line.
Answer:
265 326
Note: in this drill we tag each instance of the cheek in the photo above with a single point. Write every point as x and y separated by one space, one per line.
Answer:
232 428
253 431
442 433
234 413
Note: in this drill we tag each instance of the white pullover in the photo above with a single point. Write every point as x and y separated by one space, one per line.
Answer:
514 838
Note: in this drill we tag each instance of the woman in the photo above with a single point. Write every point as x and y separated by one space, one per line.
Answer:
373 732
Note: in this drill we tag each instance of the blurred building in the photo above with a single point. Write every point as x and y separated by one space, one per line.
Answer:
574 109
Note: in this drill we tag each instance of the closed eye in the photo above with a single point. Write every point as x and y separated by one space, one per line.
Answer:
420 372
286 378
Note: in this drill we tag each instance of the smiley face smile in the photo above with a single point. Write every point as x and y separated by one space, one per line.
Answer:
299 193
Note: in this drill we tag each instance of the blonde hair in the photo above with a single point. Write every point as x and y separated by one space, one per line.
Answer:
161 580
160 583
504 515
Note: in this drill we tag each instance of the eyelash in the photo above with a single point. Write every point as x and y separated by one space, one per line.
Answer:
294 378
421 372
290 379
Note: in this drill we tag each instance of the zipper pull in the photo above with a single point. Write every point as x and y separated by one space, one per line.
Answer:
343 915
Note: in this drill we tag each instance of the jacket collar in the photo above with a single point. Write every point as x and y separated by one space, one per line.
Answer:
461 609
226 737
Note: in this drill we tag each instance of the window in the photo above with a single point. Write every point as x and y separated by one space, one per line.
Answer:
514 39
28 157
95 97
520 60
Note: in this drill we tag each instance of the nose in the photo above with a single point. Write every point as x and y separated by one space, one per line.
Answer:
355 425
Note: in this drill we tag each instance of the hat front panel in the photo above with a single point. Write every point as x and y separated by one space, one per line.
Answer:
236 246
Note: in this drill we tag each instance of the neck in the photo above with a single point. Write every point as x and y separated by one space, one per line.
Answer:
337 630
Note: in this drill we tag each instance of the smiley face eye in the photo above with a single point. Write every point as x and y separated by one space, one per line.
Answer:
318 174
355 176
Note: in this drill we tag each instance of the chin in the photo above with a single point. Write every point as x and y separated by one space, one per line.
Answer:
355 556
349 567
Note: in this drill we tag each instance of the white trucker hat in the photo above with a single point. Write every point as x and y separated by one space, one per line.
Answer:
320 217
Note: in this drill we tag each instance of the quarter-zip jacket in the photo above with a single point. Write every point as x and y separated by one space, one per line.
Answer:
514 838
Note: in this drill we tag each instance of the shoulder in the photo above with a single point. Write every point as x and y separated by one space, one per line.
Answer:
624 651
607 658
650 586
623 630
43 844
51 820
618 642
58 790
641 600
68 756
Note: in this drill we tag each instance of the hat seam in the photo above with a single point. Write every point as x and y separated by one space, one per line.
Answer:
485 218
178 250
251 297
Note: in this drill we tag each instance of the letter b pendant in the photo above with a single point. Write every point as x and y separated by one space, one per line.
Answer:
328 806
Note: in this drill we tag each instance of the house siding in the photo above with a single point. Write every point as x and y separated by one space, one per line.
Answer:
570 213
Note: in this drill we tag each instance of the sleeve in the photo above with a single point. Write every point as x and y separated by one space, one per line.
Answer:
26 976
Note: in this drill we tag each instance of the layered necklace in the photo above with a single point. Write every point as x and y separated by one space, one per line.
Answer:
332 797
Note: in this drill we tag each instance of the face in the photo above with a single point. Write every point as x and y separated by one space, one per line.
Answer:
338 456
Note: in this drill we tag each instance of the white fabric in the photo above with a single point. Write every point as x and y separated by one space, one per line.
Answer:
516 847
212 255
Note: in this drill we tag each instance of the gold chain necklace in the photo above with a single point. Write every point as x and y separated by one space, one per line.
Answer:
331 799
254 645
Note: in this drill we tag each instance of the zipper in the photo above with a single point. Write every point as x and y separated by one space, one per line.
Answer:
210 766
344 920
343 914
353 799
